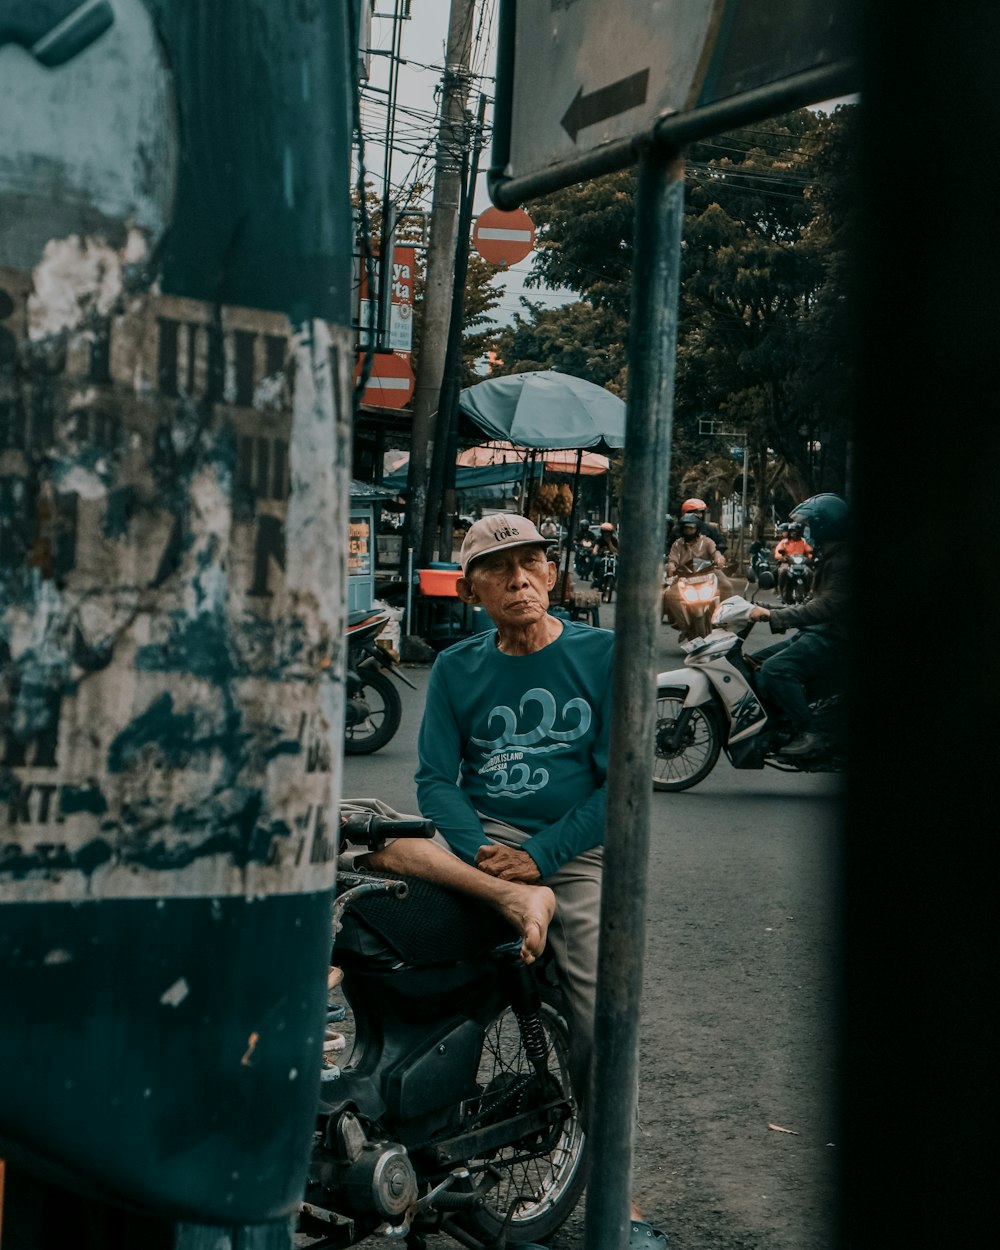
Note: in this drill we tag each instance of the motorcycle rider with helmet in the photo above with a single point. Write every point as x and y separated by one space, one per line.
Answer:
607 539
793 544
691 545
820 645
699 509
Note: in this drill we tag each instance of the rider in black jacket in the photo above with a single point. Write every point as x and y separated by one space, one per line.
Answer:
820 645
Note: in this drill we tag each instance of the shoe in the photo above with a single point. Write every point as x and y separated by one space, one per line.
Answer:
644 1236
805 743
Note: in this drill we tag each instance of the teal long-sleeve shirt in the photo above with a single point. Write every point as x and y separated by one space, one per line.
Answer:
522 739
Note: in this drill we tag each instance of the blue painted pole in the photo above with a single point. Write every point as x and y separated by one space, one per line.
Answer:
659 211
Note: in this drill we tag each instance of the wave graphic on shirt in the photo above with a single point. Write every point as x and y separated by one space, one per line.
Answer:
514 782
544 724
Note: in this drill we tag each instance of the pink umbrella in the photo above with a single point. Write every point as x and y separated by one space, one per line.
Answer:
590 464
490 453
565 461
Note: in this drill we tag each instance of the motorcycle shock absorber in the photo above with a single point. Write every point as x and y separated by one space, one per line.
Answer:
526 1004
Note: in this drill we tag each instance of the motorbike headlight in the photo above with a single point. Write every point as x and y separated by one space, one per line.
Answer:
706 593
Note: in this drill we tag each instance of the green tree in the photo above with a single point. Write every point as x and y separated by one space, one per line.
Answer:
577 338
764 318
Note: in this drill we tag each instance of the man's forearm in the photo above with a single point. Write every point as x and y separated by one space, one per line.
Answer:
454 817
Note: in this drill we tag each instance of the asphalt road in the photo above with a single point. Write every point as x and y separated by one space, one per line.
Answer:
736 1146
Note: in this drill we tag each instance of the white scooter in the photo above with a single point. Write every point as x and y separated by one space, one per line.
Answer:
712 704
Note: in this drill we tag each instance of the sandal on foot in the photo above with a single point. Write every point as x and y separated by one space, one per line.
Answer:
644 1236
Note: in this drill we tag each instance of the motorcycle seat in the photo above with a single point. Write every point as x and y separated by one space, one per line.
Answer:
431 926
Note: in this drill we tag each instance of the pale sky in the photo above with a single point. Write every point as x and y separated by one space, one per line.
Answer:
423 46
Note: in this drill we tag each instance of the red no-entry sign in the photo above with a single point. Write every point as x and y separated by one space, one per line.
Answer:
390 383
503 238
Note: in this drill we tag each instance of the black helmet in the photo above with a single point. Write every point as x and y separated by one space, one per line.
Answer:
826 515
690 521
795 527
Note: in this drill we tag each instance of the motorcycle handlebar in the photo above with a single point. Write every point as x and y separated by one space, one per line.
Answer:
371 830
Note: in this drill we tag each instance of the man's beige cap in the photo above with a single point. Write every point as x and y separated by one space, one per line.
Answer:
497 533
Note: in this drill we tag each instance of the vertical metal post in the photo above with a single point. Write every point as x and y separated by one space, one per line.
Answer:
656 278
743 500
442 477
409 590
438 282
571 531
386 254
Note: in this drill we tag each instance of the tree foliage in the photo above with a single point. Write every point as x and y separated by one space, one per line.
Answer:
765 311
577 338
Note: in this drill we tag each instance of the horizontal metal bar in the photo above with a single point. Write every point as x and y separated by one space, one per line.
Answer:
810 87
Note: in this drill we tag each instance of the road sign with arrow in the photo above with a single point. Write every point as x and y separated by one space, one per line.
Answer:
582 82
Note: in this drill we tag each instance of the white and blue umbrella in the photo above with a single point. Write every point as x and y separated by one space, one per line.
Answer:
546 410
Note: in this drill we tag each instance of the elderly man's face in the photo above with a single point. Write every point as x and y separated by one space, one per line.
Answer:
512 585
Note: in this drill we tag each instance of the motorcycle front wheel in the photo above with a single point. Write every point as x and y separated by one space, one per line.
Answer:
535 1183
694 757
385 710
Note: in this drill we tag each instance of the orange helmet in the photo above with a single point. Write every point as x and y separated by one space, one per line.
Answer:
607 527
694 505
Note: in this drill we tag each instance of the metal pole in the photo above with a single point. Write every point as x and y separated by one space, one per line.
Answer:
409 590
571 532
743 501
438 281
443 471
659 213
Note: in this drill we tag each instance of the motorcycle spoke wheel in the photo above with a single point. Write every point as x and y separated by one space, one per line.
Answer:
695 757
385 712
537 1190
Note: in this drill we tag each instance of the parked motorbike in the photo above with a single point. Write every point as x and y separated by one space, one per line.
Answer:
455 1111
696 598
605 574
713 704
373 708
797 580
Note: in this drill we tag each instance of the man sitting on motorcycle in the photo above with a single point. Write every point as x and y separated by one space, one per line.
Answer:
820 646
793 544
513 761
690 546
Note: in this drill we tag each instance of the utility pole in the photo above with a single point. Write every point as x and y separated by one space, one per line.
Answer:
438 282
441 507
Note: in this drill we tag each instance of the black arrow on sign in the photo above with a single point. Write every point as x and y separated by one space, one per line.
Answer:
605 102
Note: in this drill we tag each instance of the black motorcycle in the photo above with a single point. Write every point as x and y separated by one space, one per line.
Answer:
583 558
605 575
372 708
760 572
455 1111
796 579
